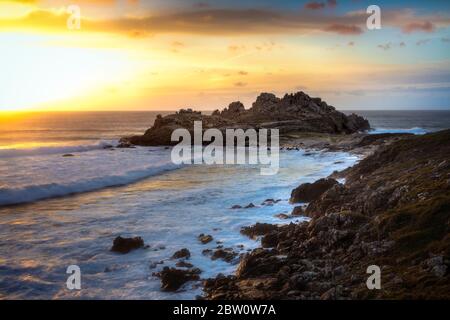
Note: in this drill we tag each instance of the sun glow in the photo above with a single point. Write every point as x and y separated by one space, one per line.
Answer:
38 70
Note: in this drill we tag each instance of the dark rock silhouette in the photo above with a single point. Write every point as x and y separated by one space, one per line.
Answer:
294 112
125 245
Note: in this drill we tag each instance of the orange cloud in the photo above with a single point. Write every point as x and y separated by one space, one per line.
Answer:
344 29
313 5
425 26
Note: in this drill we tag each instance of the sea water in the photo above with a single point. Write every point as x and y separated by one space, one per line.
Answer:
58 211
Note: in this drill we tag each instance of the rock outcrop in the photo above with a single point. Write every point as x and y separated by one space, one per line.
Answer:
125 245
293 113
392 212
311 191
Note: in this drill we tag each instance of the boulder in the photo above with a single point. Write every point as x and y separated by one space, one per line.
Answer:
125 245
183 253
172 279
308 192
258 229
205 238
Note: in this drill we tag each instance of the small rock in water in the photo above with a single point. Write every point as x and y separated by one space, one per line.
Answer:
236 206
125 245
226 254
68 155
205 238
250 205
123 145
172 279
206 252
282 216
184 264
183 253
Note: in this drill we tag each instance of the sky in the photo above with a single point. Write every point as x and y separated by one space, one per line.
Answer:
169 54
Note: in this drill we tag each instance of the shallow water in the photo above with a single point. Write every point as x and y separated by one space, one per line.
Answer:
39 240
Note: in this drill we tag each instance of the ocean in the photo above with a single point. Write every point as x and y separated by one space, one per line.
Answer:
58 211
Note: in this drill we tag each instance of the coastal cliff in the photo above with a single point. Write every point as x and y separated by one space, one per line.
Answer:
293 113
393 211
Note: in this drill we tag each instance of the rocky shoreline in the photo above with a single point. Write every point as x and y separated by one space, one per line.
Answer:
393 211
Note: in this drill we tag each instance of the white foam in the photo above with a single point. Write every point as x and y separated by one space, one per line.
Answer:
45 191
23 152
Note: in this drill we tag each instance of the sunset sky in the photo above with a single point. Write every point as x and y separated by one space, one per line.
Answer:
161 55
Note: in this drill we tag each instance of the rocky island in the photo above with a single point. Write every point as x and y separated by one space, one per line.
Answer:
293 113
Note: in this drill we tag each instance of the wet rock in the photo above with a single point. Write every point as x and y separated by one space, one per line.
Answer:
439 270
183 253
184 264
68 155
205 238
172 279
226 254
270 240
125 245
258 229
250 205
282 216
298 211
207 252
124 145
308 192
236 206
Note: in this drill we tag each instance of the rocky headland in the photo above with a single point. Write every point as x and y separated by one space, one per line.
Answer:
293 113
393 211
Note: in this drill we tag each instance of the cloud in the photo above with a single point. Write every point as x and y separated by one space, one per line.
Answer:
313 5
218 22
243 73
425 26
332 3
344 29
240 84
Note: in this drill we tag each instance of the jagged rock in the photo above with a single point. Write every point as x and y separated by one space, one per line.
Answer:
393 211
172 279
294 112
205 238
282 216
311 191
183 253
258 229
226 254
184 264
298 211
125 245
